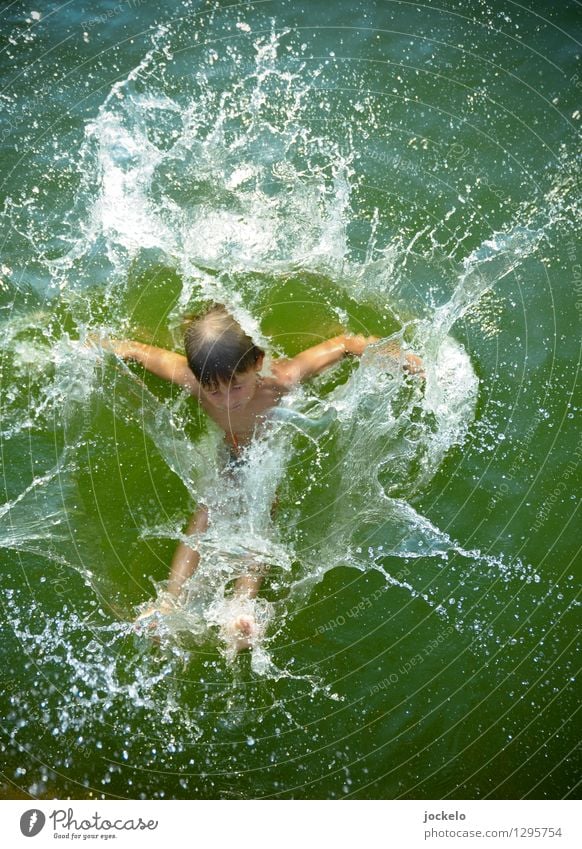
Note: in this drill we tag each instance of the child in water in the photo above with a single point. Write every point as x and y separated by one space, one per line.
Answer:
222 369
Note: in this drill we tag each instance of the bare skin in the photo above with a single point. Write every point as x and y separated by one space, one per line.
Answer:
237 408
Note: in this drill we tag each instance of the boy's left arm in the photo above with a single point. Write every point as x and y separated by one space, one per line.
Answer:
316 359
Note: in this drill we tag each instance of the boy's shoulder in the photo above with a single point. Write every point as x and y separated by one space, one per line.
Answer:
284 373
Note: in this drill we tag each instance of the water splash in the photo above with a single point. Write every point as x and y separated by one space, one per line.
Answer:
235 188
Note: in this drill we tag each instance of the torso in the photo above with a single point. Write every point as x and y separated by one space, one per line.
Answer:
239 426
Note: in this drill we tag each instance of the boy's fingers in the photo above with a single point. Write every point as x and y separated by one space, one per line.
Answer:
94 341
152 610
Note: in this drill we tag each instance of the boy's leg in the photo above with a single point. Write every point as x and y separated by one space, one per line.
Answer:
184 563
249 585
242 630
186 559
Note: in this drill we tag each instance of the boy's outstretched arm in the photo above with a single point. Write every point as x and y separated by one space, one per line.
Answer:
316 359
159 361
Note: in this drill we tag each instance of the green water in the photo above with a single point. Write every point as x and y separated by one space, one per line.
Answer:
376 167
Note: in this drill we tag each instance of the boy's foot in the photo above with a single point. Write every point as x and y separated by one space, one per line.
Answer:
241 633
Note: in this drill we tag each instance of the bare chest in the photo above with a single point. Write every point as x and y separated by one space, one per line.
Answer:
239 426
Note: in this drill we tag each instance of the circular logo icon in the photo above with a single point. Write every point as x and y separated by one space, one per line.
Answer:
32 822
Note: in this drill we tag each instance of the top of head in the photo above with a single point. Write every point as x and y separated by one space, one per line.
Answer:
218 348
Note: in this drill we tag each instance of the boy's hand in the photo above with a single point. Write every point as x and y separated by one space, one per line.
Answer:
93 340
101 343
356 345
152 612
414 365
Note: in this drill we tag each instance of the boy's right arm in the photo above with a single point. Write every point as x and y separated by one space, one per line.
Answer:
159 361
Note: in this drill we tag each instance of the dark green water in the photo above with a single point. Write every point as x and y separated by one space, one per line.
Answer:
380 167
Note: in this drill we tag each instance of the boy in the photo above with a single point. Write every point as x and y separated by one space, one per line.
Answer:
222 369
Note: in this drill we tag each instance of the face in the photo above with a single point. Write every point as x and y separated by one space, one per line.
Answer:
235 395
